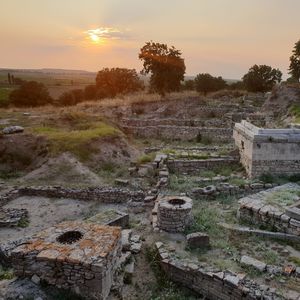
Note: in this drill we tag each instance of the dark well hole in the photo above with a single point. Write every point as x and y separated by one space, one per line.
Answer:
176 201
69 237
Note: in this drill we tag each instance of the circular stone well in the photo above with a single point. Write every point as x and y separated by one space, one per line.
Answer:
174 214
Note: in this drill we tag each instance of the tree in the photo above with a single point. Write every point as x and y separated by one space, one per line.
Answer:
294 69
261 78
30 93
188 85
165 65
206 83
111 82
71 97
9 78
90 92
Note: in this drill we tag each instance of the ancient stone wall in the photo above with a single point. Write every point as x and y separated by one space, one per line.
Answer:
183 133
212 283
256 210
104 195
191 167
275 151
86 266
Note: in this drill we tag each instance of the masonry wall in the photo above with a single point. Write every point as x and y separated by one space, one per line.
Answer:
212 284
192 167
275 154
104 195
183 133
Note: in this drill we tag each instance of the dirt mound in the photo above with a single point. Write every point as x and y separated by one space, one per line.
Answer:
64 168
22 152
281 100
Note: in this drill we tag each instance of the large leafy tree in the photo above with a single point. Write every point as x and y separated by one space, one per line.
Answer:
261 78
166 66
30 93
111 82
206 83
294 69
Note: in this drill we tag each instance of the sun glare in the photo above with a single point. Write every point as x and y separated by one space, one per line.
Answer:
102 34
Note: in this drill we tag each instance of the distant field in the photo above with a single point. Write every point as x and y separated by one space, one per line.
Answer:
56 91
50 78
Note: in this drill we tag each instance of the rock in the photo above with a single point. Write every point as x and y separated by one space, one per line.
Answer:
297 272
231 279
122 182
126 235
128 273
13 129
135 248
135 238
36 279
249 261
197 240
209 190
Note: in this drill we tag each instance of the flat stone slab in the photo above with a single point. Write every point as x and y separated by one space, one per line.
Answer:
110 218
252 262
294 211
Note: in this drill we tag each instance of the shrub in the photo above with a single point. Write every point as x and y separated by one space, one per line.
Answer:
90 92
261 78
111 82
206 83
30 93
71 98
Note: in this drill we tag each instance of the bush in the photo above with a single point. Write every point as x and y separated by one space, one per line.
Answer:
206 83
90 92
111 82
71 98
30 93
261 78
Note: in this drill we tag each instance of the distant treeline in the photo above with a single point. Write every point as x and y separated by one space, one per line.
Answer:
166 68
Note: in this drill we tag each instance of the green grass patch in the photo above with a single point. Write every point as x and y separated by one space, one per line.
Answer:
6 274
271 257
283 198
146 158
295 260
205 220
4 96
76 141
295 111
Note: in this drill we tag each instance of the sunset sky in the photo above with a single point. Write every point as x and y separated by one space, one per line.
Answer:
222 37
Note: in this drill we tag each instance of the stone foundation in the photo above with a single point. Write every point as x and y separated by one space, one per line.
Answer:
104 195
76 256
174 214
182 133
213 283
256 210
274 151
194 166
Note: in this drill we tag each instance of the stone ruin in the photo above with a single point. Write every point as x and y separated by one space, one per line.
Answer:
174 213
275 151
77 256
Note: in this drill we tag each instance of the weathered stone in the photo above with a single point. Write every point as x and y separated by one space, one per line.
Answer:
13 129
249 261
198 240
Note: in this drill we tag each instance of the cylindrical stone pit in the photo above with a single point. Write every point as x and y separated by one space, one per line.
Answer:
174 214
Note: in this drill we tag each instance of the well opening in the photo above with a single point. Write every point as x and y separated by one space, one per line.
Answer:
70 237
177 201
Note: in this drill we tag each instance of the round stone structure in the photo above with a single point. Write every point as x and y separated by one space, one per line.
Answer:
174 213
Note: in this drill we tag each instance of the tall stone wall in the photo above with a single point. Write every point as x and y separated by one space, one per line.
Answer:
183 133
